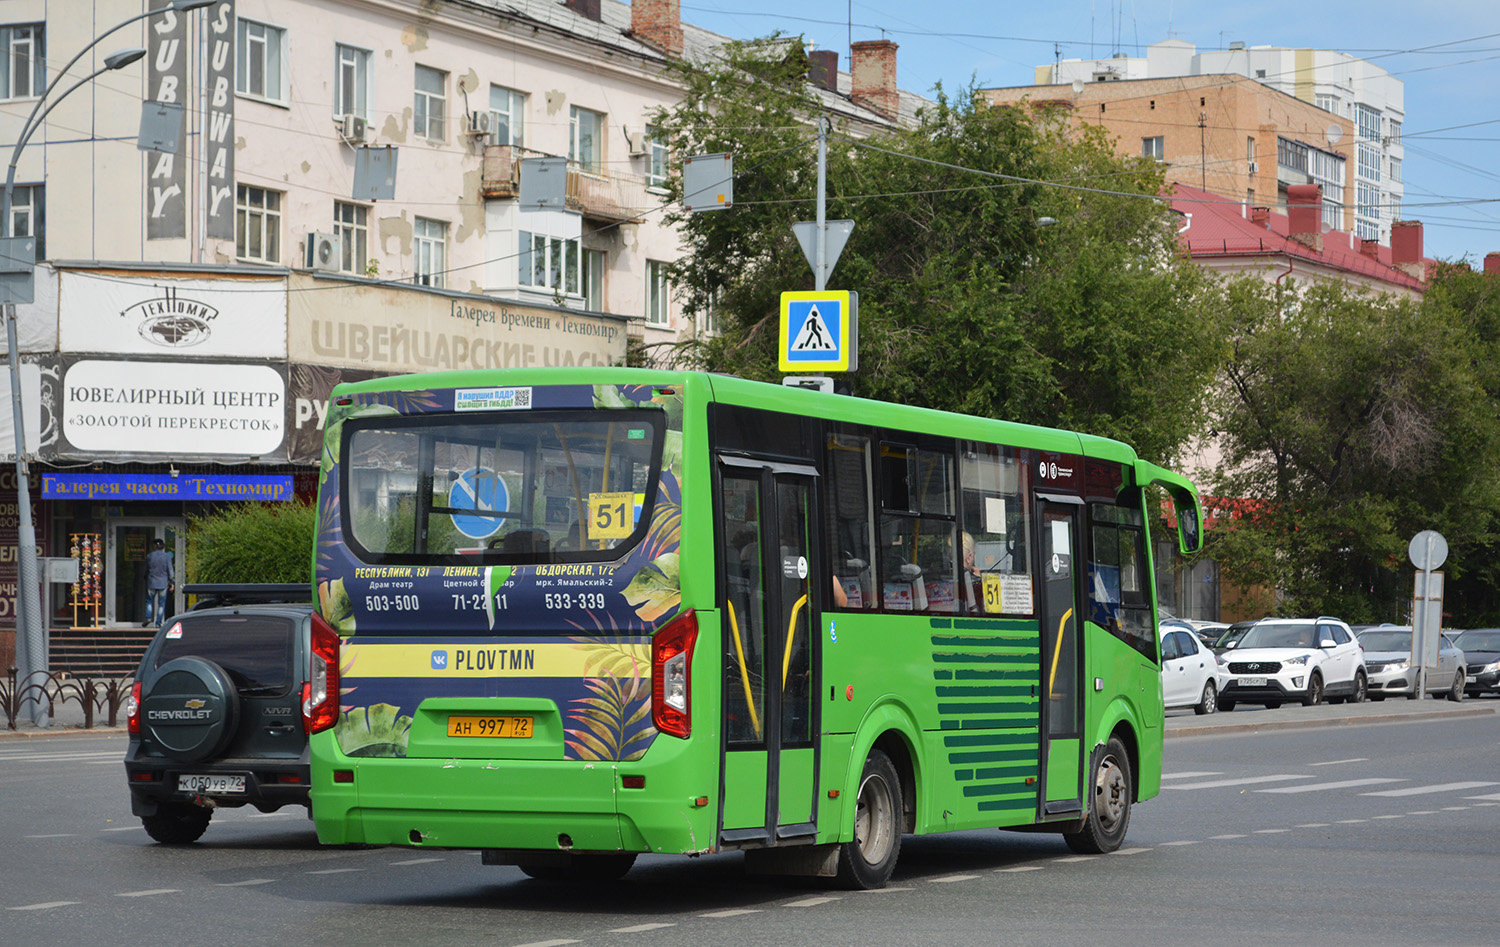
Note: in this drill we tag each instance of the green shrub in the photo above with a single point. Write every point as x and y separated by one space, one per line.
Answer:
253 542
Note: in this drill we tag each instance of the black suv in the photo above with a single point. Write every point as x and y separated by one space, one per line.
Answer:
216 717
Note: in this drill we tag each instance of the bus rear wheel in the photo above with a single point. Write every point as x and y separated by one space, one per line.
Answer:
1107 808
868 860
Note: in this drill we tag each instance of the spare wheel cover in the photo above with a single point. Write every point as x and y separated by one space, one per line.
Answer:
190 708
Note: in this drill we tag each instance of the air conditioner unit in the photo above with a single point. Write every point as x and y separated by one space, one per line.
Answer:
480 123
354 128
635 141
1254 167
323 251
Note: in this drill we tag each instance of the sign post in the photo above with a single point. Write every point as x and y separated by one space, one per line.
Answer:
1428 550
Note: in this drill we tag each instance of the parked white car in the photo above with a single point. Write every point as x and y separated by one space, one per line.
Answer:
1190 674
1388 661
1302 659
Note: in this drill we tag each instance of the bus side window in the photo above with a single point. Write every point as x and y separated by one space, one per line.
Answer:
919 541
850 519
1117 592
994 484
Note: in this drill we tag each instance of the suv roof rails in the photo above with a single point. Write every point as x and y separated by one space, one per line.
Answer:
218 594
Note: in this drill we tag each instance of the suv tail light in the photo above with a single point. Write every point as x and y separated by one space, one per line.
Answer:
320 693
671 667
133 710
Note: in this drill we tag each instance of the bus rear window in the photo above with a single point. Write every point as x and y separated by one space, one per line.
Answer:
523 488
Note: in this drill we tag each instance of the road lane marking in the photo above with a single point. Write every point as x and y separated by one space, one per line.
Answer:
1185 842
146 894
1075 858
1494 797
43 906
1245 781
1313 825
1420 790
549 943
416 861
122 828
1217 838
1351 821
641 928
1357 759
950 878
885 890
1020 868
732 912
56 835
1390 817
331 871
1423 812
1341 784
1129 851
808 902
1454 808
1190 775
1270 831
246 883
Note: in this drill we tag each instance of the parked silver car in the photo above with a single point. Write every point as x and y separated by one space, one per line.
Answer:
1388 661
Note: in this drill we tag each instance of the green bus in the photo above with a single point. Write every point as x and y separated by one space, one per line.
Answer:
568 616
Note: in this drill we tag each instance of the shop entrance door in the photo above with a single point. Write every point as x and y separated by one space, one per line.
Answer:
127 542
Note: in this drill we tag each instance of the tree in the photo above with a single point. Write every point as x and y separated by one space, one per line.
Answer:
967 302
1349 422
253 542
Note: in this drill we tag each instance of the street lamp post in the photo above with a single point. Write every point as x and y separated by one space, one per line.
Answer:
30 630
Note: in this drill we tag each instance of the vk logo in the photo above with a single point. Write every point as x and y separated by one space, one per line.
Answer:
440 660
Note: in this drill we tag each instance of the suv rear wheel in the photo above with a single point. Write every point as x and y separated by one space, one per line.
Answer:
177 823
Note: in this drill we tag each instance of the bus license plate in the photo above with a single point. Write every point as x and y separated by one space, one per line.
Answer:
1252 682
186 783
518 728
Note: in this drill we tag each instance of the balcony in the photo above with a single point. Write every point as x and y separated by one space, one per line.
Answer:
596 195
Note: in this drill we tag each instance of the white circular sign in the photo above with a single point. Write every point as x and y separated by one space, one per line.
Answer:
1428 550
801 567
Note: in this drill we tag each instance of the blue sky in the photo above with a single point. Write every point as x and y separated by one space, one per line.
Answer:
1447 52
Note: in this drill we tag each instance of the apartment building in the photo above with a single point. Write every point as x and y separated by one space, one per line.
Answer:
1368 103
344 201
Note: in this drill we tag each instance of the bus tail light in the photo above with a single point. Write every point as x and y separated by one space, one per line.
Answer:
133 709
671 662
320 694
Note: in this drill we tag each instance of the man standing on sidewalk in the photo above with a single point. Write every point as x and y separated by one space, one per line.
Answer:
158 584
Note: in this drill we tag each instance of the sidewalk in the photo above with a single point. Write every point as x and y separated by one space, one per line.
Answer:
68 721
1251 718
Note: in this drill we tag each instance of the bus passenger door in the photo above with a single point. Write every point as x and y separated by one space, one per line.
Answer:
766 554
1063 753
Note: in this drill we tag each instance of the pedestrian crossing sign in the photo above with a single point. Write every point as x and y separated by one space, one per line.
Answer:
818 331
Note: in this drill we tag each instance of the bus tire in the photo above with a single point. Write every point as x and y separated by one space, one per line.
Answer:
867 861
1107 808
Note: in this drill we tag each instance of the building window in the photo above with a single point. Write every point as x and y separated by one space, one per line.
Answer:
351 223
586 139
708 318
548 262
1249 148
1367 123
1396 170
1369 162
257 224
1328 103
1368 205
1152 148
23 61
429 252
658 291
1393 206
351 81
430 103
259 61
656 157
1395 136
593 280
28 217
507 116
1365 230
1333 215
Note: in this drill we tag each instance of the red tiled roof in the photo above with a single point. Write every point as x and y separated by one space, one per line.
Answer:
1217 226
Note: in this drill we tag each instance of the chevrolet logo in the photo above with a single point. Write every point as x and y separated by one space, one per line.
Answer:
194 704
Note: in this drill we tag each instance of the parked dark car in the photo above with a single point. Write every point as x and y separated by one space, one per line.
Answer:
216 716
1230 637
1481 648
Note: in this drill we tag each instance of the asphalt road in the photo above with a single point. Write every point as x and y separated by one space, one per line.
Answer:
1371 824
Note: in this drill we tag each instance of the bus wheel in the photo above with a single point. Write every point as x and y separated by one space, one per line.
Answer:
596 868
1107 810
867 862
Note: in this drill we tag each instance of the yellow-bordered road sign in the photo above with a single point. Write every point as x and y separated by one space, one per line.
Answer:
818 331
